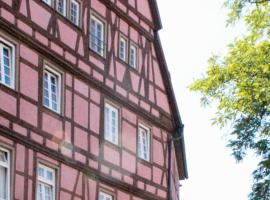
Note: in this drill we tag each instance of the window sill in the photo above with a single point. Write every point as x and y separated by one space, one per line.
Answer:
112 145
49 111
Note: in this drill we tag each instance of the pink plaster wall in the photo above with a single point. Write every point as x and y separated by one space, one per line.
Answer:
81 111
99 7
162 101
128 162
129 136
80 138
52 125
144 8
68 182
81 87
29 81
67 35
111 155
158 156
28 112
29 55
144 171
39 15
8 103
94 118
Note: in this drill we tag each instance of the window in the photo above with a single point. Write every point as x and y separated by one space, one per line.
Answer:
97 35
144 143
67 8
74 12
45 183
51 89
4 174
61 7
104 196
7 62
111 123
133 56
49 2
122 49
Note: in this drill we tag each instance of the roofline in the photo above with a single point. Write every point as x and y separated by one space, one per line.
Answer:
155 13
178 136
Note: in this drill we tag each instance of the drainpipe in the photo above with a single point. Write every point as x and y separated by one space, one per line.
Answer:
169 195
179 131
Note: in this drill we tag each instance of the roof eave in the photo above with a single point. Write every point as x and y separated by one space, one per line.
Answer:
155 14
179 127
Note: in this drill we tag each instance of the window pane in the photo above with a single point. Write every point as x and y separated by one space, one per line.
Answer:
107 119
3 183
61 4
51 90
111 124
96 36
7 66
47 2
3 156
74 12
48 192
41 172
39 191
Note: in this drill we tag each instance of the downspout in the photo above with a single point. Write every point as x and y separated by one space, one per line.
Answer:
179 131
169 195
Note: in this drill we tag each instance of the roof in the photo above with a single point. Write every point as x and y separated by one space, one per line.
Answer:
155 14
178 136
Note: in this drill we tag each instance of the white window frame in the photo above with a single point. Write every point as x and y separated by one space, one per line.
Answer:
48 2
51 72
78 12
64 7
104 196
123 55
133 63
11 48
8 166
44 181
92 35
108 133
144 153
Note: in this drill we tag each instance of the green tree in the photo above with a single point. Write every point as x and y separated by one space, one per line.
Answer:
239 84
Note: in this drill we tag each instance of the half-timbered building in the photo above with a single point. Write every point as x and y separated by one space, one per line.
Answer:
87 109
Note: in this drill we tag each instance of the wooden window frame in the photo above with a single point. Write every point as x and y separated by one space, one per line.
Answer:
102 22
53 184
49 3
78 14
64 7
4 43
106 194
9 167
149 135
51 70
114 106
123 38
133 65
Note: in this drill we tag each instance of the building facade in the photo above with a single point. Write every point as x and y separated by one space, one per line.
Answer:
87 109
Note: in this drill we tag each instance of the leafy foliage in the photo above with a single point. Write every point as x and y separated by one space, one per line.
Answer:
240 85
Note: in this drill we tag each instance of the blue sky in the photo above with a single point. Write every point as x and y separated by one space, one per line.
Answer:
192 32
